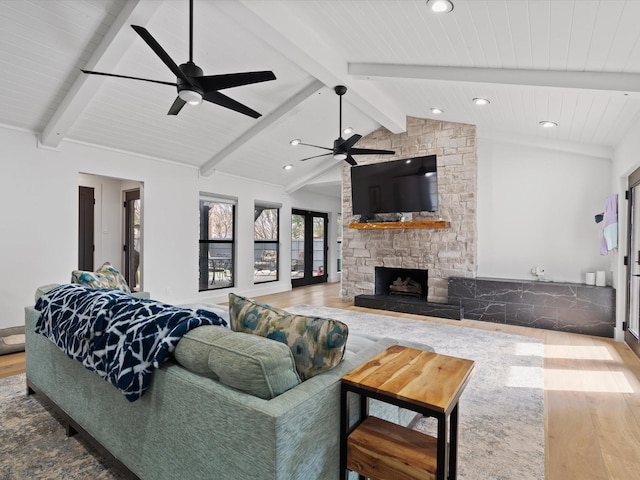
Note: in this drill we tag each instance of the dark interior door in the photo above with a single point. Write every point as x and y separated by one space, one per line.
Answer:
132 238
308 247
86 202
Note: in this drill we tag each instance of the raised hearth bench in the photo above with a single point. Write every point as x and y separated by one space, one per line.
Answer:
568 307
409 305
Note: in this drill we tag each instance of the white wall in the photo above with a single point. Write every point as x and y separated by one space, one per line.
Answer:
39 198
536 207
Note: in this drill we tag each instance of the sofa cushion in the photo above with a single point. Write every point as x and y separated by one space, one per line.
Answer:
221 310
317 344
105 277
192 351
44 289
254 365
249 363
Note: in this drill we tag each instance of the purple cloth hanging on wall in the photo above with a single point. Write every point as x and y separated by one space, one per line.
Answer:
610 225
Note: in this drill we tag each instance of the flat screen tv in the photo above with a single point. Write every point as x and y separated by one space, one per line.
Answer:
409 185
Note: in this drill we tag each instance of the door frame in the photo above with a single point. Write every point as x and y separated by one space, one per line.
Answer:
630 339
309 278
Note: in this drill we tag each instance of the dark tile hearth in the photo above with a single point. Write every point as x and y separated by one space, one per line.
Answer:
568 307
416 306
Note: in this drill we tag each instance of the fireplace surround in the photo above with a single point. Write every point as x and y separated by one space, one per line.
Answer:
403 301
446 250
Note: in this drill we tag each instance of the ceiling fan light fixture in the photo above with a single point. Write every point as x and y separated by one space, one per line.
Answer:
190 96
295 141
340 156
440 6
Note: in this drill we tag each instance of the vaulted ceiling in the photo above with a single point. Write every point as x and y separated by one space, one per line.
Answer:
574 62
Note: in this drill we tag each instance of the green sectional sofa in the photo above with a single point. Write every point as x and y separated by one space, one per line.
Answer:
190 426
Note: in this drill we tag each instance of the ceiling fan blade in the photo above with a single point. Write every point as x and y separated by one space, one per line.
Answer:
171 84
224 101
315 156
317 146
220 82
177 105
370 151
350 142
351 161
159 51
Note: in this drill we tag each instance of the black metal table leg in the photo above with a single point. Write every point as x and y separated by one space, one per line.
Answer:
442 467
344 426
453 443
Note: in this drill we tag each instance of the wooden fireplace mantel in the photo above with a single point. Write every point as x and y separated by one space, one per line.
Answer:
392 225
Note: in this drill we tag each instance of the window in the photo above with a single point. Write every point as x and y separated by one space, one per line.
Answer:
266 229
217 247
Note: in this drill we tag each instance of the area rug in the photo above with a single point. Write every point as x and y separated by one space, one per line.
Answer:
501 412
33 444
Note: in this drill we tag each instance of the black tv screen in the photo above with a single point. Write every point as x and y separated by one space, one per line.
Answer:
409 185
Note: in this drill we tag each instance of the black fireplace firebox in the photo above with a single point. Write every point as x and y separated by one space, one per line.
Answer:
408 295
403 282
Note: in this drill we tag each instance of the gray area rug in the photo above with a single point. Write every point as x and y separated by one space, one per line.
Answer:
501 429
33 444
501 410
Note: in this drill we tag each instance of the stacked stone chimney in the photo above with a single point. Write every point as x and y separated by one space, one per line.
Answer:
444 252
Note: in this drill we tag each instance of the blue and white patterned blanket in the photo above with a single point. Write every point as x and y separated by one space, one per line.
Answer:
117 336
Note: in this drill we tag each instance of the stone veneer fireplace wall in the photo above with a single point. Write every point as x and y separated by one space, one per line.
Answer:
448 252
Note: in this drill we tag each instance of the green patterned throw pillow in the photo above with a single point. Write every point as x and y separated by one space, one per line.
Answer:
105 277
317 344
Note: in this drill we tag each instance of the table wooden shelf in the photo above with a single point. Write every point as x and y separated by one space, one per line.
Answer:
424 382
398 225
381 449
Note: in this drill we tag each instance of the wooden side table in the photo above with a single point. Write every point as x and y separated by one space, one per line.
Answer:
424 382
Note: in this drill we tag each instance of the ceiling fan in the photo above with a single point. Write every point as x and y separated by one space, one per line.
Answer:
192 85
343 149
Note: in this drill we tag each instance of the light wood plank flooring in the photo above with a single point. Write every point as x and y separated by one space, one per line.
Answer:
592 392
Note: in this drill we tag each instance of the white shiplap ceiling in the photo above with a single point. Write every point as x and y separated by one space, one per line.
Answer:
575 62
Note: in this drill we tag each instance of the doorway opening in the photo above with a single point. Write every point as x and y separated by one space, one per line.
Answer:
107 231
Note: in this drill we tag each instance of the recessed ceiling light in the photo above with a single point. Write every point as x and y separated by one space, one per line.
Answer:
295 141
440 6
481 101
347 130
436 111
288 166
547 124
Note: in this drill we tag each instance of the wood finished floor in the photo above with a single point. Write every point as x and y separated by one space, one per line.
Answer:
592 392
